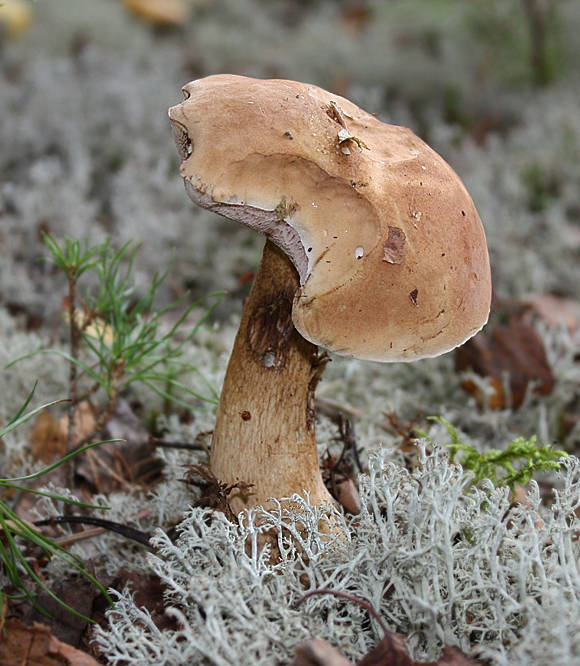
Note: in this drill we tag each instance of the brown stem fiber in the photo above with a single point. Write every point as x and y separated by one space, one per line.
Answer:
265 428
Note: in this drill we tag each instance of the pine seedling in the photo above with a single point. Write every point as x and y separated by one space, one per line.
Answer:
117 339
73 259
127 337
515 465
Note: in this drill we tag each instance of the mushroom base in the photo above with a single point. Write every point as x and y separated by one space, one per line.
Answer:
265 428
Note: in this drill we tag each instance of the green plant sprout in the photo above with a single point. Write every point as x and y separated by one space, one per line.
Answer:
15 564
117 339
514 465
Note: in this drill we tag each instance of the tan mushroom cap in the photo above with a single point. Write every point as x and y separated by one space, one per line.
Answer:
390 250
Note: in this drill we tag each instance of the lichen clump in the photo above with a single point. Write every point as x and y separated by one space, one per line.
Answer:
443 563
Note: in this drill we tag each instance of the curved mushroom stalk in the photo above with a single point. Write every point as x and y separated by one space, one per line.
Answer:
265 427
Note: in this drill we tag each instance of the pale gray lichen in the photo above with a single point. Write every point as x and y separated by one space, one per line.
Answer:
441 565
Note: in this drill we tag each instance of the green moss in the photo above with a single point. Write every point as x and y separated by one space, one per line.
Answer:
517 464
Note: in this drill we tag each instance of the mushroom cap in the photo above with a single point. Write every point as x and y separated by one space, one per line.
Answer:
390 250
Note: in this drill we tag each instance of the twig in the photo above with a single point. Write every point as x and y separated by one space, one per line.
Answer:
75 537
349 597
129 532
106 414
538 15
329 407
94 456
74 351
190 446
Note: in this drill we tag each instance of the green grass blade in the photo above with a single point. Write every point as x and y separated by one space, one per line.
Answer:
59 462
20 418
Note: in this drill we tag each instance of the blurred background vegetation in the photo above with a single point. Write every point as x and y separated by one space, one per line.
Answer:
85 146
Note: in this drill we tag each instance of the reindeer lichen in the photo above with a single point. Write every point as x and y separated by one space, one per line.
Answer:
440 565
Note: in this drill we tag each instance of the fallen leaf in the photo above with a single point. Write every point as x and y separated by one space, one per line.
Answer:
355 17
36 646
246 278
148 590
85 421
515 349
160 13
452 656
78 593
317 652
348 495
554 310
389 652
47 439
88 323
519 495
16 17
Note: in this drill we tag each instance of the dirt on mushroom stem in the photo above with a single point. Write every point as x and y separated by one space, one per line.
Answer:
265 427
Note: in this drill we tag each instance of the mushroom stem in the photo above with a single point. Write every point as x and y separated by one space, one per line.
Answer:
265 428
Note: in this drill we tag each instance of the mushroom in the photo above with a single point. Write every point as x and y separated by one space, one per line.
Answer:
374 251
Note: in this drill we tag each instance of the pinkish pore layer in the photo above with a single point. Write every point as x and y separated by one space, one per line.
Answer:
264 221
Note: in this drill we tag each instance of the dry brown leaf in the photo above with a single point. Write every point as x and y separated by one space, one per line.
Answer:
355 17
160 13
452 656
389 652
554 310
48 436
76 592
317 652
36 646
515 349
120 464
85 421
47 439
16 18
347 494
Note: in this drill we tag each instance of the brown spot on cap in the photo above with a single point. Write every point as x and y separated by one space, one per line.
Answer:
413 297
395 246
